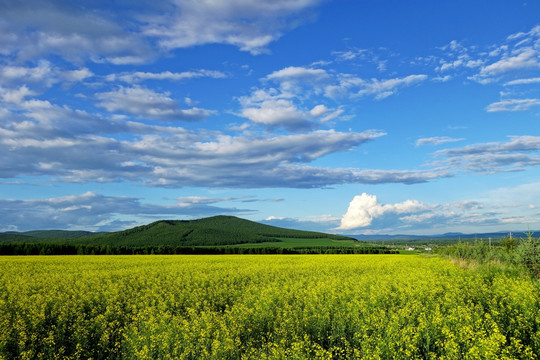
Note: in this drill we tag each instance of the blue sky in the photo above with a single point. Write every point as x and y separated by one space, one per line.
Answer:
355 117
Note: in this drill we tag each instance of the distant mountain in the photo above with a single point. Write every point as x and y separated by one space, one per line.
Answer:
446 236
212 231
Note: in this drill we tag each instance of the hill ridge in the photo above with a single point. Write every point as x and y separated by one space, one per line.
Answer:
217 230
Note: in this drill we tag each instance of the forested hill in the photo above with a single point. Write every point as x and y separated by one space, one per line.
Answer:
212 231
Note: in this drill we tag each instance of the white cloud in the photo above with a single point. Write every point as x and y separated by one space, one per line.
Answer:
70 31
527 58
77 75
442 78
293 78
139 76
40 142
277 112
298 73
279 109
513 155
436 140
363 209
15 96
318 110
248 24
286 106
524 81
146 103
43 75
513 105
384 88
514 56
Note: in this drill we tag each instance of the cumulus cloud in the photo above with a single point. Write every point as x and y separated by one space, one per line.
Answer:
363 209
146 103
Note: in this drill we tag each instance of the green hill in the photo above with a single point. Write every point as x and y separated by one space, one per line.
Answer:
212 231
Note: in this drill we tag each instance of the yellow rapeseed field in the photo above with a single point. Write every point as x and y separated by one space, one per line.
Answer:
263 307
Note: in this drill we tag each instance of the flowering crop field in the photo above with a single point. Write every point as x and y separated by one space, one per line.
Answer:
263 307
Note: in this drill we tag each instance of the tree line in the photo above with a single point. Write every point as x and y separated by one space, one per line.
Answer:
80 249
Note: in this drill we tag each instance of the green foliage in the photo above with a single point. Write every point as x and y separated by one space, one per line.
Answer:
529 254
524 252
264 307
509 243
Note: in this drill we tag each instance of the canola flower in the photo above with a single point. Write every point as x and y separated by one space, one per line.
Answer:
263 307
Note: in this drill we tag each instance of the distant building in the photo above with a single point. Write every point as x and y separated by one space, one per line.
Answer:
410 249
428 249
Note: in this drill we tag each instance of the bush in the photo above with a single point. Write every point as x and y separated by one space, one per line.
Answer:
529 254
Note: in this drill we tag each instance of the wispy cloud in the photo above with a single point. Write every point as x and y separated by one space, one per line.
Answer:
513 105
436 140
526 58
384 88
515 56
524 81
514 155
139 76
